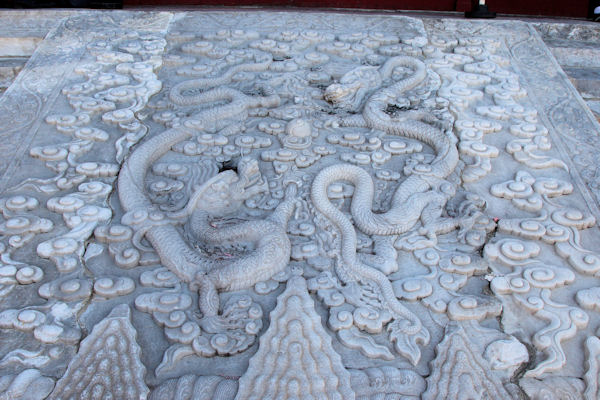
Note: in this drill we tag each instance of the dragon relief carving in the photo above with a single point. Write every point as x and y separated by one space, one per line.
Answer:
423 195
217 197
297 200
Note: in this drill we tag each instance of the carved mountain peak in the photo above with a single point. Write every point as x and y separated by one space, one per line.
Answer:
459 372
108 363
295 358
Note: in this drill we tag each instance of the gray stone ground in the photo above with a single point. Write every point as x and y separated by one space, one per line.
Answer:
20 33
576 47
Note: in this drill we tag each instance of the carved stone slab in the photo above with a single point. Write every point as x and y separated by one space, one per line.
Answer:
232 205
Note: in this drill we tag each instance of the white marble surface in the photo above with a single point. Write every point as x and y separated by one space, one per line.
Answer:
285 205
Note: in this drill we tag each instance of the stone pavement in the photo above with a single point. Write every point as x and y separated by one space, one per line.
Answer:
20 33
577 50
298 205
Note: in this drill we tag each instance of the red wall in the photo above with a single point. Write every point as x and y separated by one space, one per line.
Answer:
572 8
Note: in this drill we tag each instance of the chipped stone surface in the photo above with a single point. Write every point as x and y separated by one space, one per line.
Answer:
220 204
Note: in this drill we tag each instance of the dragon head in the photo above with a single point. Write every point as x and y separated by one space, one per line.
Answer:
250 181
344 95
225 192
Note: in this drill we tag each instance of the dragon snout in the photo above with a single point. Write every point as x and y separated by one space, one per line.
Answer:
334 93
